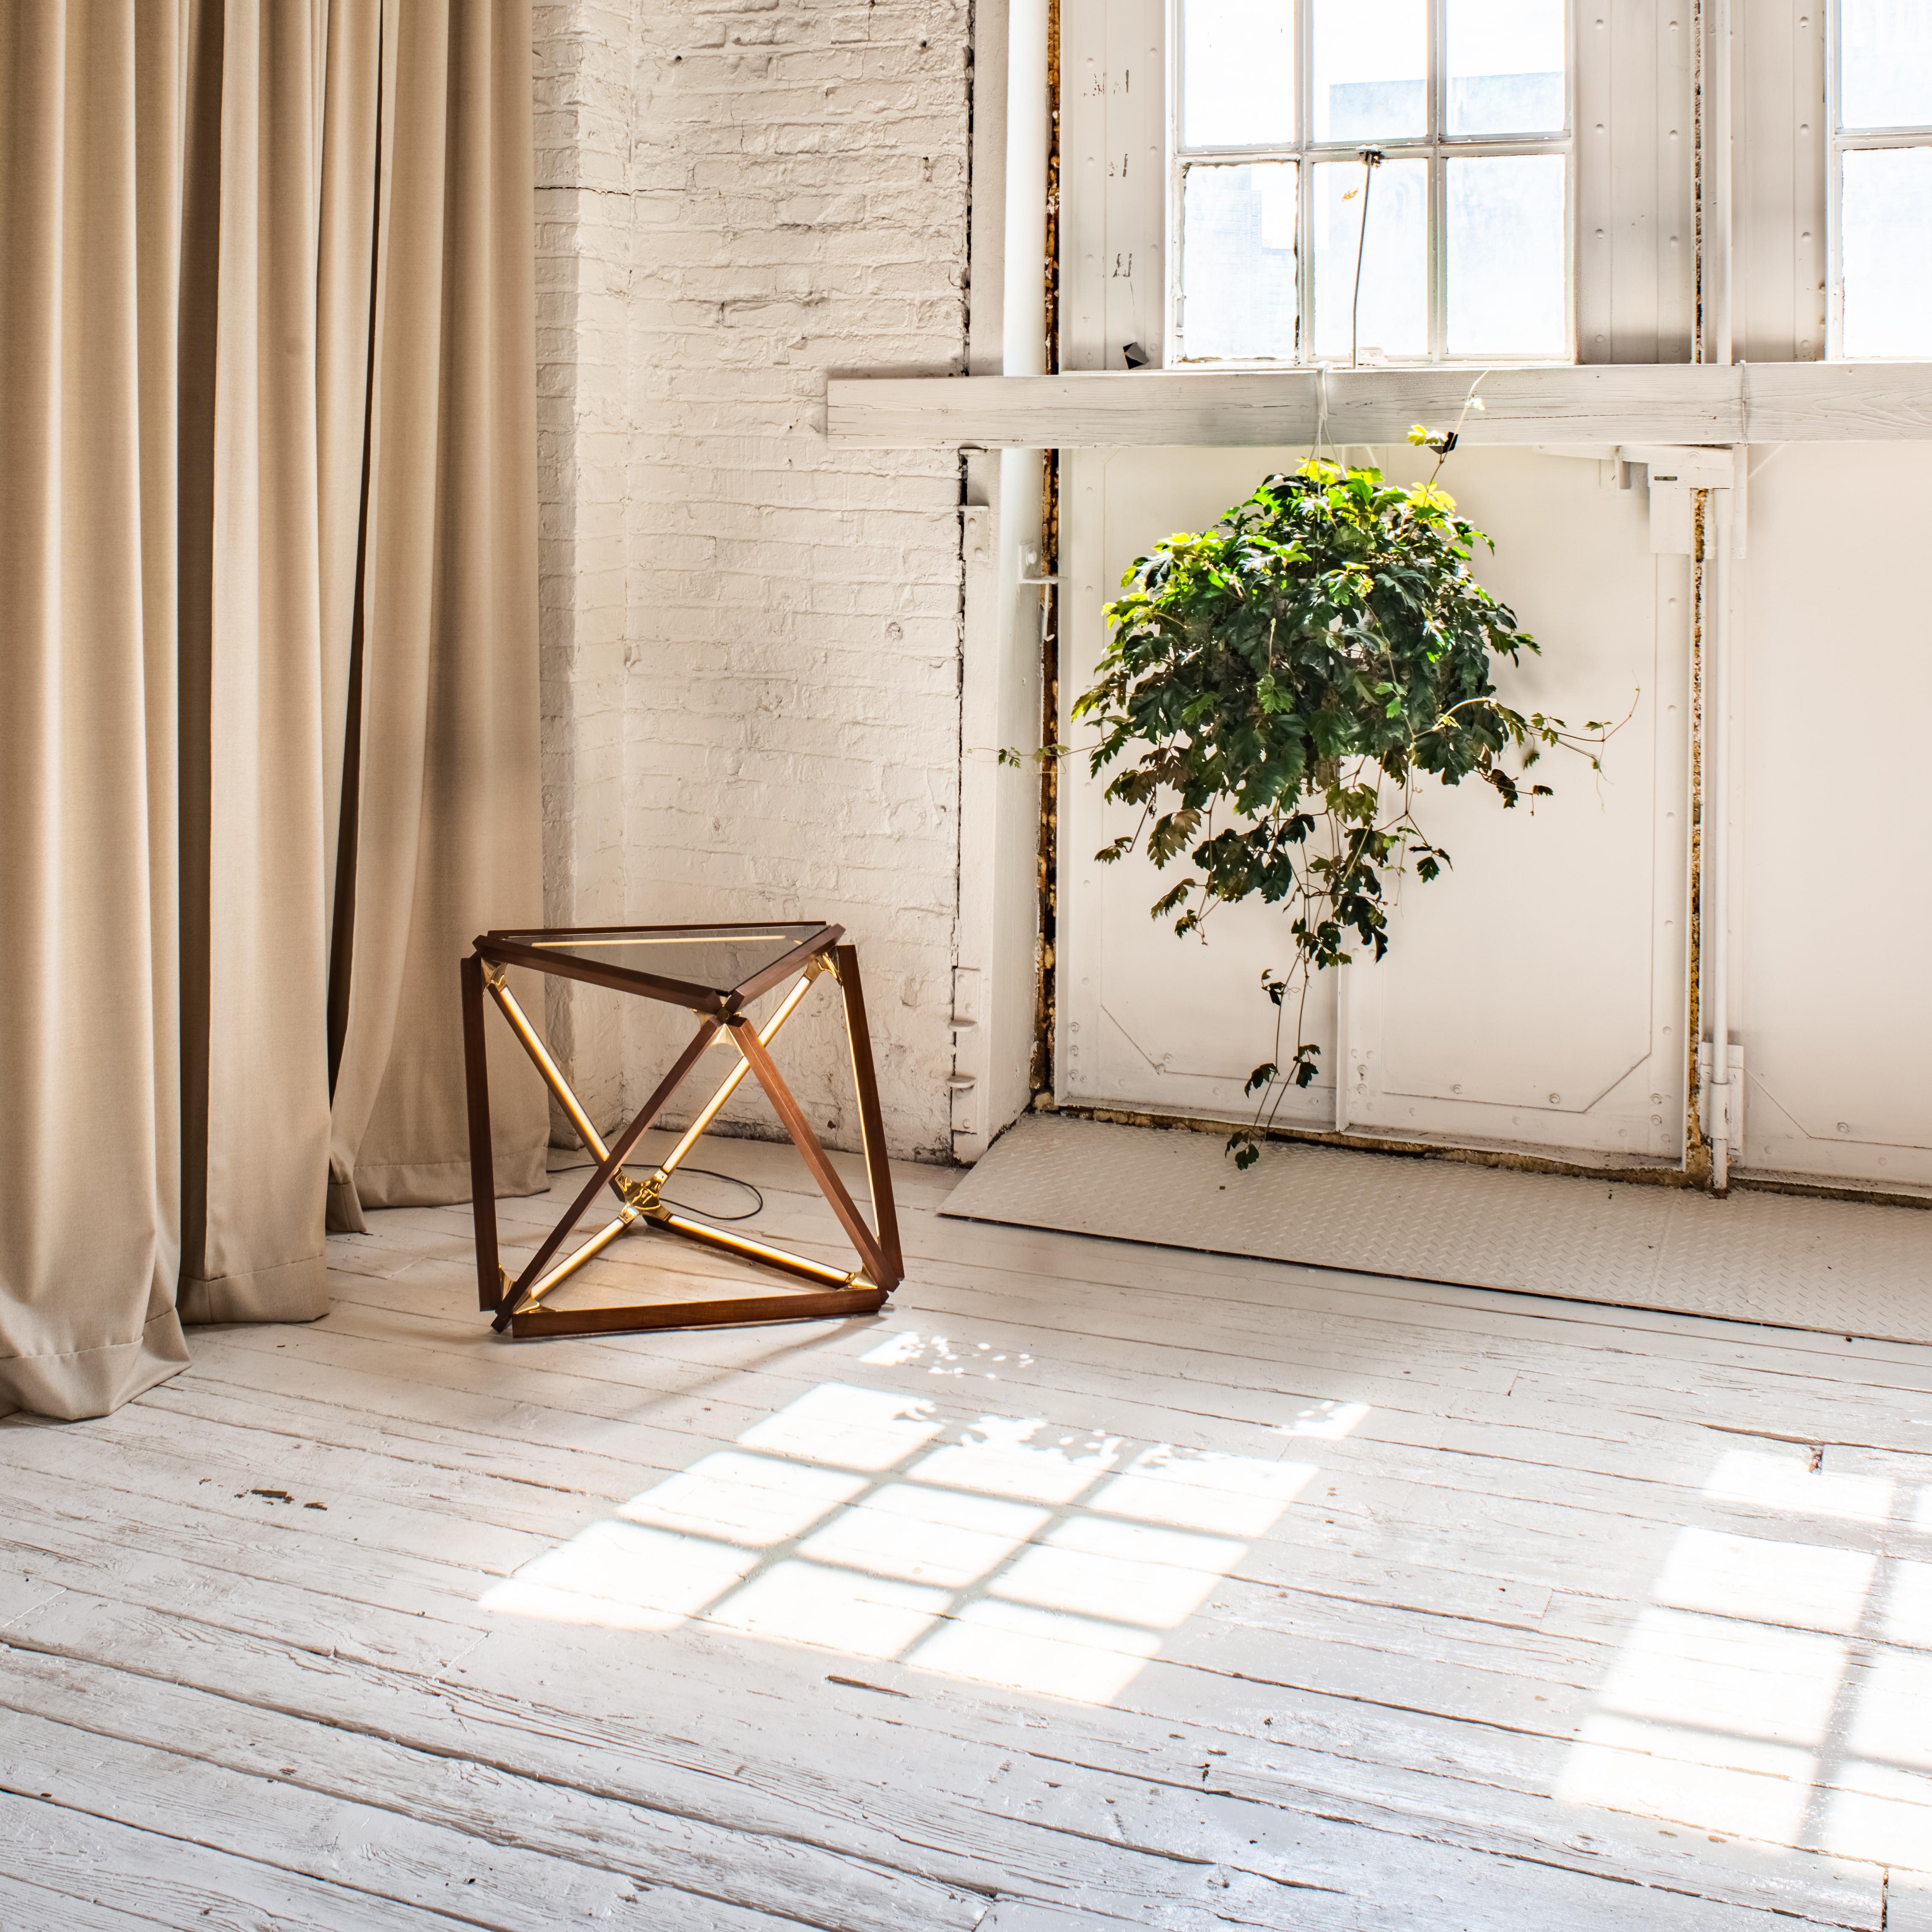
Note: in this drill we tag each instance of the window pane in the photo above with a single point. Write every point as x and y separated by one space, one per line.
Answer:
1884 64
1237 248
1506 256
1371 69
1238 72
1506 62
1395 260
1887 252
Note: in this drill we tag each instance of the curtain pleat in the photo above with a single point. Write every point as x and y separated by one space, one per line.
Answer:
448 837
350 89
267 751
253 915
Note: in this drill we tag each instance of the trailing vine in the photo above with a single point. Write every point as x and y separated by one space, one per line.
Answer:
1280 686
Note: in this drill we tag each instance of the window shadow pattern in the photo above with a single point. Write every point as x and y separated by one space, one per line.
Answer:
996 1547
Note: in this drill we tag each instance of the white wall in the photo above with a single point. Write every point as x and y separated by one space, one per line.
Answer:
751 643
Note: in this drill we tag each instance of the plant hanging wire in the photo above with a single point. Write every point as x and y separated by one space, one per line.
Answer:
1371 159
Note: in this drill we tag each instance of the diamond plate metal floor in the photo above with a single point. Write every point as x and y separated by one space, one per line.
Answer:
1793 1262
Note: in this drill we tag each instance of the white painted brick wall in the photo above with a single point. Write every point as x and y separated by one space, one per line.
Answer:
751 640
583 70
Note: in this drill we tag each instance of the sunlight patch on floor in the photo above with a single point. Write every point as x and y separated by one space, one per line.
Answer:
997 1548
1778 1688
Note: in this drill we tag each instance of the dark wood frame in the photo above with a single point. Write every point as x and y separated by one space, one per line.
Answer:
517 1305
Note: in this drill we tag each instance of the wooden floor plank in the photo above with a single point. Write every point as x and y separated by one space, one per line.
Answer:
564 1831
1487 1459
1322 1316
356 1642
1370 1352
1499 1613
1178 1840
1149 1883
34 1908
155 1876
387 1857
554 1660
1361 1712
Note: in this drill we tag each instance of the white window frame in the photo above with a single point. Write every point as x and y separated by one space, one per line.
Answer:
1435 145
1843 142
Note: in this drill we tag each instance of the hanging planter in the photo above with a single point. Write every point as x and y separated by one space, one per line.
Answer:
1278 693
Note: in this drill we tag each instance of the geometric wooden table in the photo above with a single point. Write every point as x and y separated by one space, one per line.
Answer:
713 971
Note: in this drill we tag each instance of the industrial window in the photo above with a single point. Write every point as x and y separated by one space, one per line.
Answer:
1882 177
1458 236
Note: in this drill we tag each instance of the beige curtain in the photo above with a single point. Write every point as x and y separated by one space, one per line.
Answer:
447 835
268 731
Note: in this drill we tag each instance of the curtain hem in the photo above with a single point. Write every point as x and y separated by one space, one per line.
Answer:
344 1214
80 1384
290 1291
429 1184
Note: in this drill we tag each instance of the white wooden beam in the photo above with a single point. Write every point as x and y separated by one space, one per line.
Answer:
1784 402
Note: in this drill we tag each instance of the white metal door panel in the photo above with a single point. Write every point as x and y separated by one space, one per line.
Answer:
1832 913
1533 996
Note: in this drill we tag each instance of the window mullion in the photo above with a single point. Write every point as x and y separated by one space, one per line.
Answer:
1883 137
1834 211
1438 122
1304 180
1174 335
1173 262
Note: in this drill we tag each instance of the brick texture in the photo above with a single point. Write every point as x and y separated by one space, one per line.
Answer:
751 641
584 59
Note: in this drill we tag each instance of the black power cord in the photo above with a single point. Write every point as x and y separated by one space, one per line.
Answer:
709 1173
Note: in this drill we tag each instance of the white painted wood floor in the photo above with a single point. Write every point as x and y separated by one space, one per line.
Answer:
1090 1585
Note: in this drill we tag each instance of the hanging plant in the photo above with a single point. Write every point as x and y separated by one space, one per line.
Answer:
1283 686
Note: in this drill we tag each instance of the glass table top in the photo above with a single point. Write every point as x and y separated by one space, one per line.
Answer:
720 958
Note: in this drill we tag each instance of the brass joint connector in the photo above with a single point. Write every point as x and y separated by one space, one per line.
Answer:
493 976
823 962
644 1196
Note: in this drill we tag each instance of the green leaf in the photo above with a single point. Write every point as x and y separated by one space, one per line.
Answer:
1170 834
